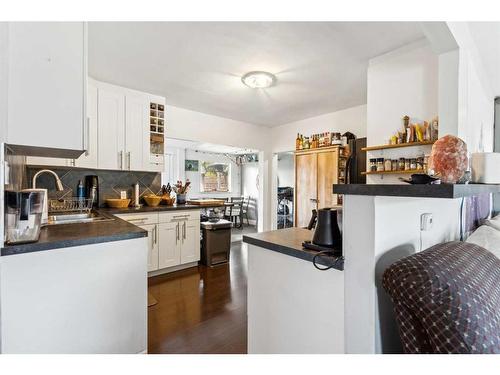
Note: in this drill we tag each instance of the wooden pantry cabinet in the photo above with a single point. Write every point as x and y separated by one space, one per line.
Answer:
316 170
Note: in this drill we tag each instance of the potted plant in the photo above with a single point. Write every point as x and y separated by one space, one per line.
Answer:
181 191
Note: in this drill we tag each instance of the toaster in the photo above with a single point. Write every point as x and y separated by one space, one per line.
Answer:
485 167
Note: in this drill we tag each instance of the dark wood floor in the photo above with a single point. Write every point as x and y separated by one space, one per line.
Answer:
201 310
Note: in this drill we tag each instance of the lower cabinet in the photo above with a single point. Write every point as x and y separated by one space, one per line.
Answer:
173 239
190 247
170 245
152 246
179 243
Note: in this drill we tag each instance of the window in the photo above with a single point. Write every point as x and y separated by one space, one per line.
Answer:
215 177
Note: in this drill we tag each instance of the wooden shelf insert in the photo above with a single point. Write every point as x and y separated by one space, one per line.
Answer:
411 171
400 145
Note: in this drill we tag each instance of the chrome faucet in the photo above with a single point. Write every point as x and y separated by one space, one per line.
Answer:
59 185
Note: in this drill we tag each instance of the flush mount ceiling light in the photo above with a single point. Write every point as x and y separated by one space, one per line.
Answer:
259 80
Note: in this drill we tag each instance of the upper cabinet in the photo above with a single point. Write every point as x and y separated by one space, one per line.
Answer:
126 138
47 83
89 158
136 132
124 130
111 128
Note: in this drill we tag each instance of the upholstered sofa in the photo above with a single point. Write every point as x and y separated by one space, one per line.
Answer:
447 299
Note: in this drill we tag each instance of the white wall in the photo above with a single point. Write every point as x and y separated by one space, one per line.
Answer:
401 82
3 80
197 126
390 228
194 177
286 170
350 119
475 93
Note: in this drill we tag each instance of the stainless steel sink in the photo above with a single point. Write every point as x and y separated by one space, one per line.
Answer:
76 218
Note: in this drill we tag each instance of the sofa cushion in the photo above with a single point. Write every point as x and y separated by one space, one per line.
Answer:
488 237
447 299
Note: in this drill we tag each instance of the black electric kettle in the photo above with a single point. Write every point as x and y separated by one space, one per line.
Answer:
326 230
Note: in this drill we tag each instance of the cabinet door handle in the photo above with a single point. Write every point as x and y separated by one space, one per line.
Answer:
138 219
155 235
184 231
120 159
128 154
177 237
87 137
314 200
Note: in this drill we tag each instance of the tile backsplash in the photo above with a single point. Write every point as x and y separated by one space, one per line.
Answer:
110 182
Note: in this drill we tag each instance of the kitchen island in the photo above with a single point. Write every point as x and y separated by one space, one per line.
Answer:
64 293
292 306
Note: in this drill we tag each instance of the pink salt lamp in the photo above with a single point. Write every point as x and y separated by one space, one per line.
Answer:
449 158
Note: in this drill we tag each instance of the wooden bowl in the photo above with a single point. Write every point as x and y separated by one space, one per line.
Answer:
117 203
152 200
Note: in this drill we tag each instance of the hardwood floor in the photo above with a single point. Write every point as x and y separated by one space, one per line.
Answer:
202 310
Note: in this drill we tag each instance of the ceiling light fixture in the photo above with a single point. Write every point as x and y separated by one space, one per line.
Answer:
259 80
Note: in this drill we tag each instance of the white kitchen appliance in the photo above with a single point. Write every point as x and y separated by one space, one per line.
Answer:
485 167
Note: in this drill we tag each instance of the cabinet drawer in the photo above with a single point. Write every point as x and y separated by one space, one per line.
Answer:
167 217
140 218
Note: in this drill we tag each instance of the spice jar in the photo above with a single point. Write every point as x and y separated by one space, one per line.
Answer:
373 165
420 163
401 164
413 164
380 164
407 164
394 165
426 163
387 165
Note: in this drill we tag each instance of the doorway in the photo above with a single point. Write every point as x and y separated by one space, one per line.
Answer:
284 196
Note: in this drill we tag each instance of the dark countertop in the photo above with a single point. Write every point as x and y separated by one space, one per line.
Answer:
160 208
69 235
418 191
289 242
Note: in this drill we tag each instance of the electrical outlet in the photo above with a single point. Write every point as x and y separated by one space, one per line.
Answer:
426 222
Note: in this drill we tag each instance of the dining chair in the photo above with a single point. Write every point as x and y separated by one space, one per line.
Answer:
246 205
237 211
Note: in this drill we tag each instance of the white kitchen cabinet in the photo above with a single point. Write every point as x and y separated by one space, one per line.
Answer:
190 242
152 246
47 83
136 132
173 238
170 244
89 157
111 129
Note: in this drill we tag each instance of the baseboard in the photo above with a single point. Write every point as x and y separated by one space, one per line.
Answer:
172 269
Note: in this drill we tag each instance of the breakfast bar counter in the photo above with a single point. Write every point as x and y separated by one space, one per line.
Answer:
289 242
292 306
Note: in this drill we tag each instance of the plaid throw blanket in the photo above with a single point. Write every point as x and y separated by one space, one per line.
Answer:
447 299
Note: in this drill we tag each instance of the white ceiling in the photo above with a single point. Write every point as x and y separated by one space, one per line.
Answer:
320 66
